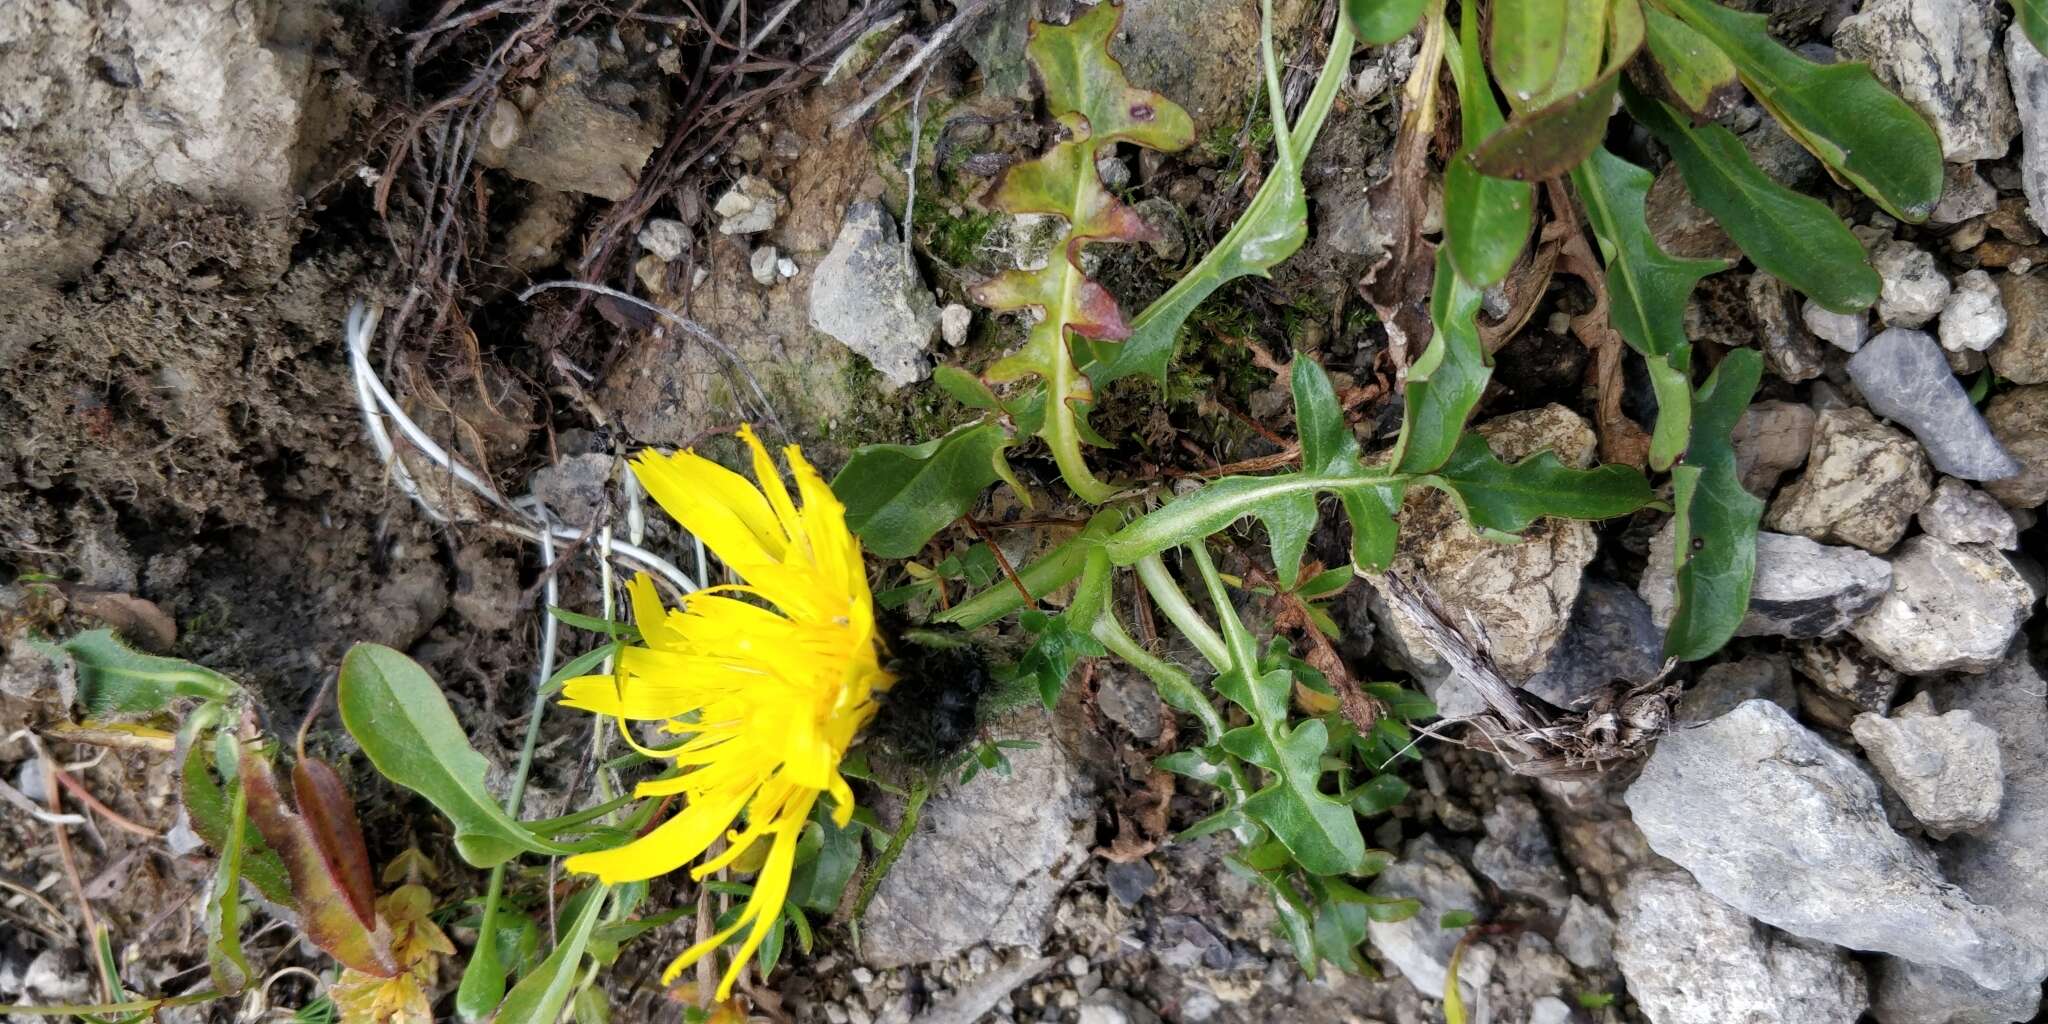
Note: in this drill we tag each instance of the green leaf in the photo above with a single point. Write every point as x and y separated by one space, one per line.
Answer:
1285 503
1795 238
1647 290
1546 140
816 884
1504 499
540 996
397 714
1269 230
1486 219
335 918
1840 111
1043 576
1087 93
206 806
1714 528
1379 795
1060 642
966 388
2032 18
1544 50
1694 73
1380 22
1445 385
1320 831
115 680
1455 919
899 496
225 961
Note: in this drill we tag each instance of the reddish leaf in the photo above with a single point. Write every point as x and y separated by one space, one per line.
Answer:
326 910
331 816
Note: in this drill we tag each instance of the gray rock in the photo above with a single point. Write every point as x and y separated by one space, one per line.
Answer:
1845 331
1945 767
1942 58
1771 439
2019 420
1780 825
762 263
1951 608
1724 687
1863 482
1418 947
1612 638
1961 514
989 860
2021 356
1905 378
2028 70
953 323
866 294
1964 195
1843 681
1586 936
1975 314
1690 959
1550 1010
2004 867
752 205
1789 351
574 489
666 238
1112 1007
1802 589
1913 288
581 132
1517 854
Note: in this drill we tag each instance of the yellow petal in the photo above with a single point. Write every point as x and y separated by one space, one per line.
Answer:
715 504
673 844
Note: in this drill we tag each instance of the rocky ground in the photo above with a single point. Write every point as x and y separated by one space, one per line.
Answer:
1851 817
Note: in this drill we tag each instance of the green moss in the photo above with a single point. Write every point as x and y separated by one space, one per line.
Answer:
956 240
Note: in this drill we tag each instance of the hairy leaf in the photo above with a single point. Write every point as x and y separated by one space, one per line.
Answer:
1793 237
206 806
540 996
1841 112
899 496
1714 528
1544 141
1272 227
1320 831
1380 22
1043 576
1085 90
115 680
327 913
1486 219
398 715
1646 291
1505 499
1445 385
1693 72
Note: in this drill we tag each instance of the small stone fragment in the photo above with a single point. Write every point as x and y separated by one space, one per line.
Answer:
1905 378
1690 959
1952 608
1586 936
1863 482
953 323
1802 588
1961 514
1724 687
1517 854
1913 288
1790 352
1942 58
751 206
1419 947
2019 420
1777 823
1771 439
762 263
1964 195
667 239
1611 639
2021 355
866 293
1945 767
1975 314
1843 681
1845 331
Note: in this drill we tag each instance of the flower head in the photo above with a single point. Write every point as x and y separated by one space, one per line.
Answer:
768 680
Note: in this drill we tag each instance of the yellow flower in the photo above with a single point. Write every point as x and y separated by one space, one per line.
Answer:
769 680
418 945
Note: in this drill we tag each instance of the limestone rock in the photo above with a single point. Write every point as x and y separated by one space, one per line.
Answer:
1975 315
1586 936
1913 289
1951 608
1517 854
1777 823
1961 514
582 132
1965 195
1945 767
2019 419
1845 331
1612 638
1802 589
1789 351
1863 482
666 238
752 205
1905 378
1724 687
2028 70
1842 681
1690 959
2021 356
867 295
1942 59
1771 439
1418 947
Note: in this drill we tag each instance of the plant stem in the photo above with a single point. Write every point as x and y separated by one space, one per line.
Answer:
919 792
1174 685
1167 595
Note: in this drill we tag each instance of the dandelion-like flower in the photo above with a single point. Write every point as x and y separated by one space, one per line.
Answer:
768 680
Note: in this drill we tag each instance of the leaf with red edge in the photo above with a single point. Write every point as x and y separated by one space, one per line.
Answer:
327 911
1080 77
325 805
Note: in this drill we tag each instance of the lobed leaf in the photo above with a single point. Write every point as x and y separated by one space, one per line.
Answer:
116 680
1647 291
898 496
397 713
1693 72
1714 528
1504 499
1486 219
1793 237
1841 112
